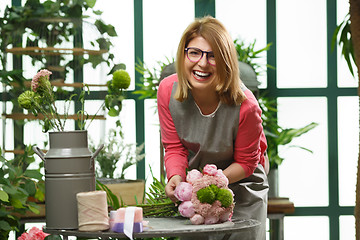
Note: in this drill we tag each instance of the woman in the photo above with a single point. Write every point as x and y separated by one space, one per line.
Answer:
207 115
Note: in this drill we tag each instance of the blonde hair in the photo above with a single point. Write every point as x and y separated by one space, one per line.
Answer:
227 83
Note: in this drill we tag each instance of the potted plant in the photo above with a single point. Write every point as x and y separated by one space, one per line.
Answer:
68 155
278 136
275 135
21 191
41 101
116 155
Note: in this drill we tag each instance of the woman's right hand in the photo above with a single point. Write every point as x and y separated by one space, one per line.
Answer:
171 185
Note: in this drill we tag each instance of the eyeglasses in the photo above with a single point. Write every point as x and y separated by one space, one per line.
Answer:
195 55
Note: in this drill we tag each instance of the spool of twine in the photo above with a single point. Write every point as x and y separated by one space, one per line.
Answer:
92 211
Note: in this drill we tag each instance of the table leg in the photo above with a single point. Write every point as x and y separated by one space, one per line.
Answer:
277 229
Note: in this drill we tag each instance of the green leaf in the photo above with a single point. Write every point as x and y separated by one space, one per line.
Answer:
39 194
5 226
113 112
117 67
10 189
53 237
4 196
30 187
35 174
16 203
33 208
112 199
90 3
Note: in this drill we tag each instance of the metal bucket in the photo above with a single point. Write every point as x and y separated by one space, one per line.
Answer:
69 169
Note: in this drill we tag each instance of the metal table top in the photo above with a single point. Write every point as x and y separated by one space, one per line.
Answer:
169 227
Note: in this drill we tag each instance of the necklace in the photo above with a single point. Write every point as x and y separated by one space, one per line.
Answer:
211 115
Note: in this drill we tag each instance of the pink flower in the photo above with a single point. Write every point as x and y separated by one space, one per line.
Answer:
186 209
222 176
210 169
40 78
204 212
193 175
183 191
33 234
211 220
197 219
207 180
226 216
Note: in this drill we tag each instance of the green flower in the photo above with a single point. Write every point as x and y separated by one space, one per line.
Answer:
25 99
206 195
225 197
214 188
121 79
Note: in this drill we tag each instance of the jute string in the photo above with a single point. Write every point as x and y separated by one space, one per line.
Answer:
92 211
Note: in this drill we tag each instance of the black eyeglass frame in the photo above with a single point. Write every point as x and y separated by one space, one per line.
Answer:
202 55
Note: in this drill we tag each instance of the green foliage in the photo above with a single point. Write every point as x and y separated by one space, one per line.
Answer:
52 23
157 203
112 200
42 100
53 237
116 94
59 21
17 185
345 41
276 135
117 155
248 54
151 78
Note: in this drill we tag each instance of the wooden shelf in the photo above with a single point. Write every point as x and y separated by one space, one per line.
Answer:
23 116
54 51
30 214
61 83
280 205
20 151
76 85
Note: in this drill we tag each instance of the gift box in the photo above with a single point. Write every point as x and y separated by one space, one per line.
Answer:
127 220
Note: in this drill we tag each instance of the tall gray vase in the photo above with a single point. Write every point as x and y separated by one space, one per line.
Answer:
69 169
273 179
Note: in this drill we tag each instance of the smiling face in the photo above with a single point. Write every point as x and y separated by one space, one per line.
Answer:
200 74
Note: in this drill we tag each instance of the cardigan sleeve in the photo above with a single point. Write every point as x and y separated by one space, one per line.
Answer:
176 161
250 143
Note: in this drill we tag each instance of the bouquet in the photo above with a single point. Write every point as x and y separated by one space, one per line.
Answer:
205 197
33 234
41 99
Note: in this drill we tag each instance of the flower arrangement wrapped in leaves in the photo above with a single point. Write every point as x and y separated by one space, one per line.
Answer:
205 197
41 99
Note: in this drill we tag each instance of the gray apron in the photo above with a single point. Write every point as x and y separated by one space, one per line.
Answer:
210 140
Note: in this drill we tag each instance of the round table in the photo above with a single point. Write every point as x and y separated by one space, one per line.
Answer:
169 227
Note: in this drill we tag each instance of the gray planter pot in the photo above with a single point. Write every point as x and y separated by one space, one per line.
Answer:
69 169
